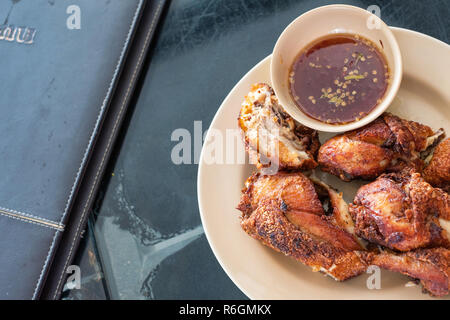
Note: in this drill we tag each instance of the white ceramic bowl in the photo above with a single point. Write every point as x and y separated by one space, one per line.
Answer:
324 21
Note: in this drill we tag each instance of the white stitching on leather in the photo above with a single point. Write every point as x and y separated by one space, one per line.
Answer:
99 117
29 221
23 214
107 147
133 23
91 138
41 275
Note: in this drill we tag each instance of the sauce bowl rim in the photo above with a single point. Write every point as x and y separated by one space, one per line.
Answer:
396 71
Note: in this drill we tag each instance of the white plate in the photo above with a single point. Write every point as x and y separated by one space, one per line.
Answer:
262 273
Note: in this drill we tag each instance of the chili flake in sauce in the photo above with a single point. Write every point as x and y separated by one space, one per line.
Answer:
339 78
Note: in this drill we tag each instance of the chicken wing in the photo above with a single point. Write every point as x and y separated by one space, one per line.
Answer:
402 211
271 136
437 173
430 266
387 144
284 212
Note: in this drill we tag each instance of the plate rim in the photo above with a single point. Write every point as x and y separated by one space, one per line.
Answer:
218 113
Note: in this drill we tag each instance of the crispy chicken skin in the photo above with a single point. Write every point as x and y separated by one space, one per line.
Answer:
284 212
402 211
283 188
430 266
387 144
309 221
271 136
437 173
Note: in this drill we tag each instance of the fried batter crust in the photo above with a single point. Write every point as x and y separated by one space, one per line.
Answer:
437 173
431 266
284 212
284 188
269 225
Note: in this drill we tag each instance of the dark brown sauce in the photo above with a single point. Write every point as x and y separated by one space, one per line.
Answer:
339 79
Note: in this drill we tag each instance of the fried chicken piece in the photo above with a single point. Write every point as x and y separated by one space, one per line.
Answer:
387 144
340 212
284 212
272 138
437 173
402 211
430 266
283 188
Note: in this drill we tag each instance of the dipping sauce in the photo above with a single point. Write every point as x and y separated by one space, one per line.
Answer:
339 78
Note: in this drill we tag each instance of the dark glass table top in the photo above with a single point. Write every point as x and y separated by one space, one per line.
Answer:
144 239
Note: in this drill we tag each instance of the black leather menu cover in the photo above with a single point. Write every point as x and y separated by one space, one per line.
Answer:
66 79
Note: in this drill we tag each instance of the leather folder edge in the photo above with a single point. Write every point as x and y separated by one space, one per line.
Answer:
88 185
